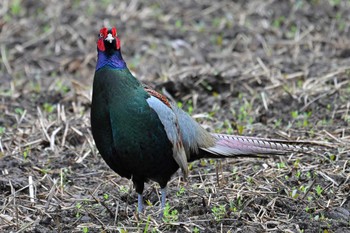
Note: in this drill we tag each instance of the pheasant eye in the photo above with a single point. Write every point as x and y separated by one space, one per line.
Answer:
100 35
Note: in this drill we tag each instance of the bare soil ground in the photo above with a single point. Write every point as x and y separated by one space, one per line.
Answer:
274 68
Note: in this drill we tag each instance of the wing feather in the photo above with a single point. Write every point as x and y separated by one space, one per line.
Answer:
169 121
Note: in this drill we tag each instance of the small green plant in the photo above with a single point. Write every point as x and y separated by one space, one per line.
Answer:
19 111
277 23
300 83
148 202
189 107
308 175
206 85
147 224
105 196
303 188
243 114
35 86
250 179
15 7
78 206
123 189
169 215
335 2
236 205
190 110
61 87
46 28
219 212
85 229
305 121
311 132
228 126
278 123
190 166
240 129
219 40
124 231
216 22
48 107
318 190
292 31
234 171
195 230
44 171
212 161
26 153
181 191
178 23
281 165
307 209
296 163
332 157
294 114
2 130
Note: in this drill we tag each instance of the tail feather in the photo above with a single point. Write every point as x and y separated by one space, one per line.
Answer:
232 145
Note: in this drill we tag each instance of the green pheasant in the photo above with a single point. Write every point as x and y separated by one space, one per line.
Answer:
143 136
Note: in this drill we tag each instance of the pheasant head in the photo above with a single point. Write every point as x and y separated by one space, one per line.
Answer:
108 40
108 48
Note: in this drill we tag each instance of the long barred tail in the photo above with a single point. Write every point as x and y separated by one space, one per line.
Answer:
232 145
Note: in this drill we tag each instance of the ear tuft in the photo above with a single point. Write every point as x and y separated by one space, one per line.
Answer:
104 32
114 32
117 43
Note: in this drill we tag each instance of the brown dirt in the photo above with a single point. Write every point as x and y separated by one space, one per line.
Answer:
266 68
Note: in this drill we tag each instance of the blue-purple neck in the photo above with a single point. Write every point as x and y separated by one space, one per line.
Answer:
114 61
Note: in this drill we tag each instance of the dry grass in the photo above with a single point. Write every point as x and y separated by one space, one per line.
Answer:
266 68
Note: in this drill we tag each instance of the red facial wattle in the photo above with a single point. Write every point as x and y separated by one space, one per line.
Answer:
114 32
103 32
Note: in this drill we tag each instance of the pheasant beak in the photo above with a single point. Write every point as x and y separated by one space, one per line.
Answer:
109 38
